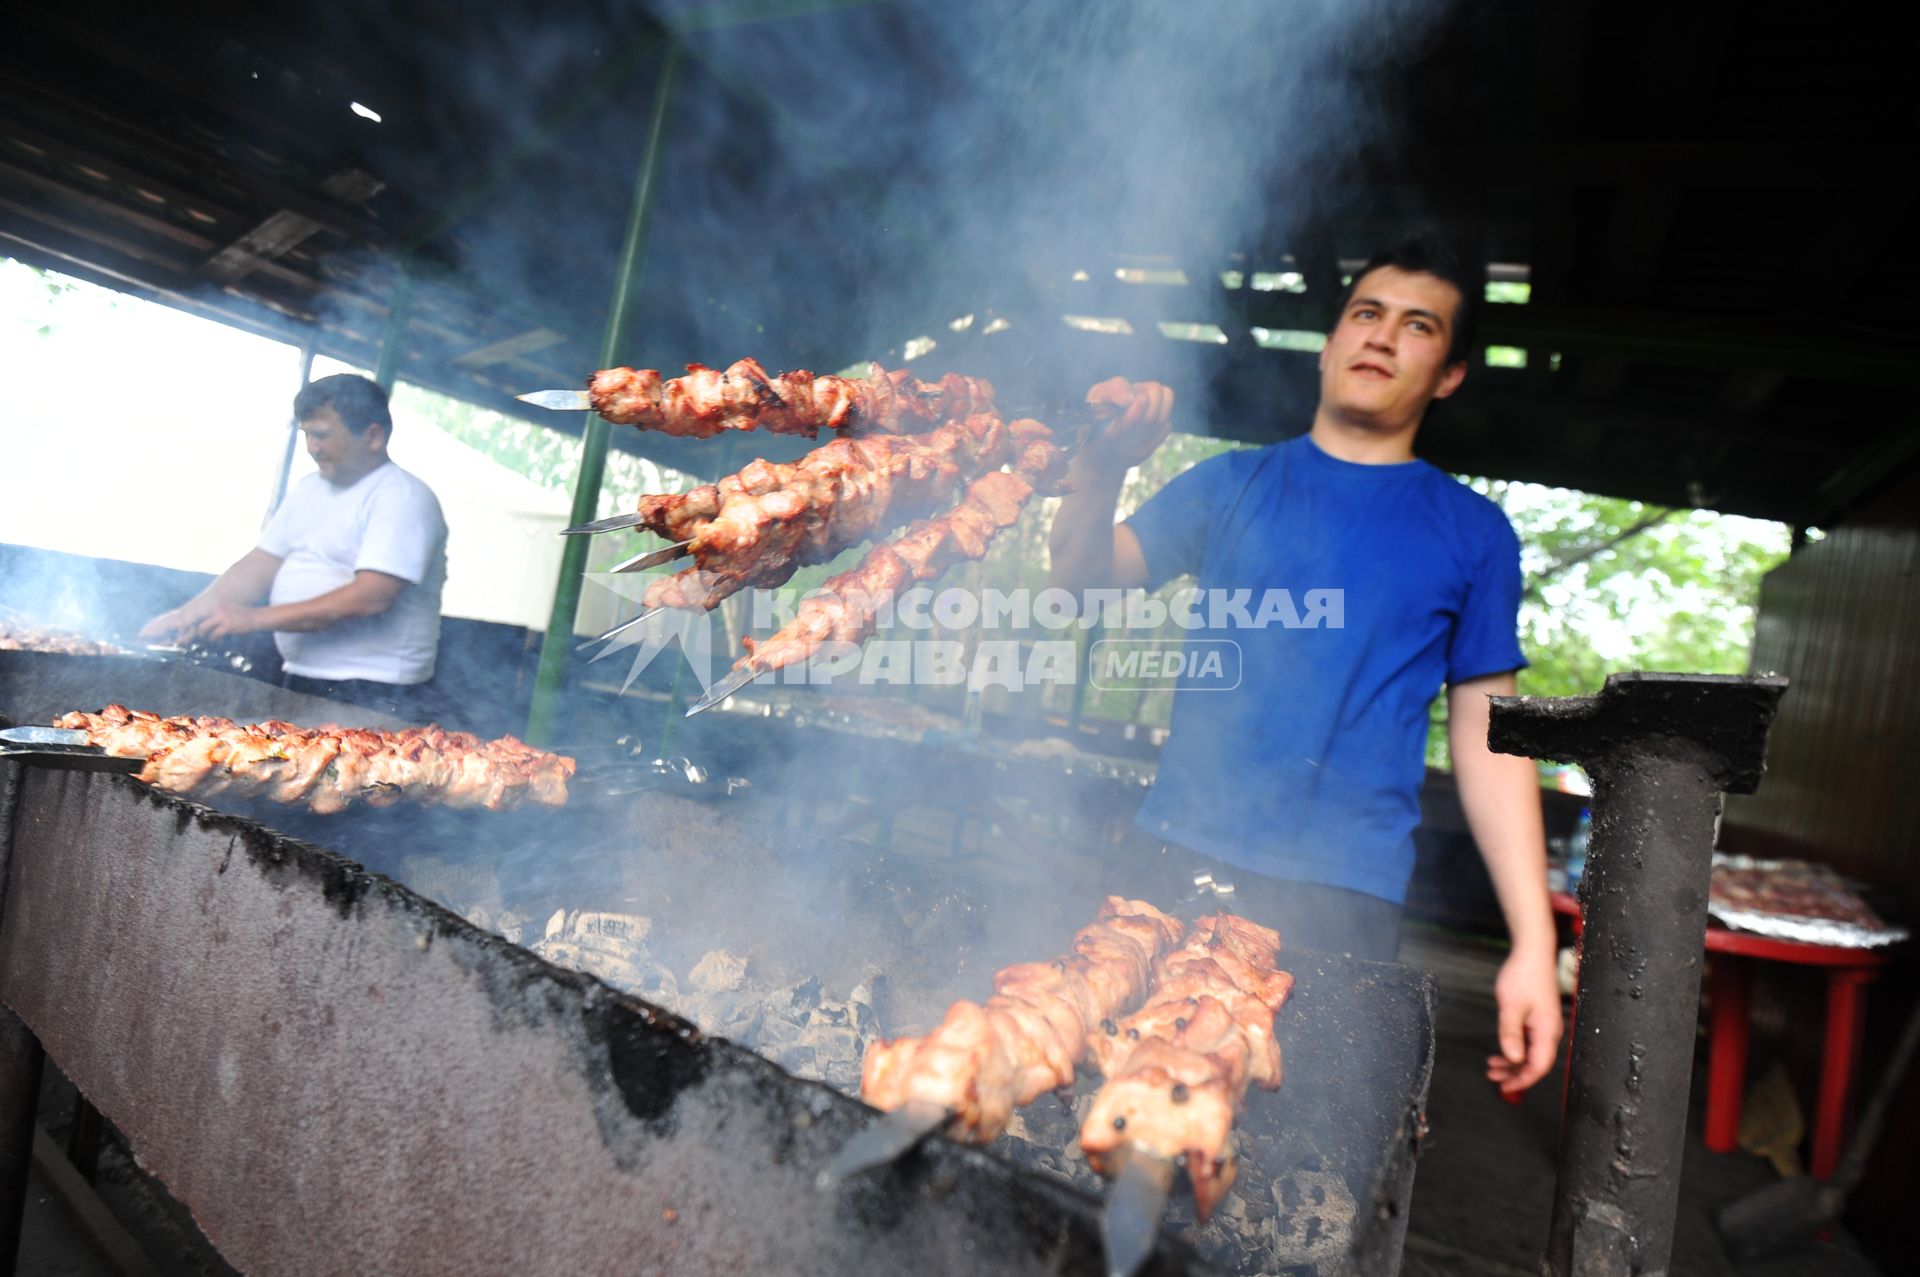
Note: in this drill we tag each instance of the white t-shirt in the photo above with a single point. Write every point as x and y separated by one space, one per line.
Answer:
388 522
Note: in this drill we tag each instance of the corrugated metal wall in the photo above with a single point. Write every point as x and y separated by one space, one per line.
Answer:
1841 619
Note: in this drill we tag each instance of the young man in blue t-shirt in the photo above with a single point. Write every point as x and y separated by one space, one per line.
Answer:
1301 785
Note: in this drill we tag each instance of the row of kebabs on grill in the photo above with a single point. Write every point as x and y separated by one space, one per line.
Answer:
936 454
1178 1021
327 768
18 636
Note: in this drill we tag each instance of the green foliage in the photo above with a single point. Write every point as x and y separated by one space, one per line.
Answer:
43 294
1615 585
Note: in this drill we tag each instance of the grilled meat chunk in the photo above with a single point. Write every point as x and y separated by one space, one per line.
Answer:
982 1062
1177 1069
328 768
743 397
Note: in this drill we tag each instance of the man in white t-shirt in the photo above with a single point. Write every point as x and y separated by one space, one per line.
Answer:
348 573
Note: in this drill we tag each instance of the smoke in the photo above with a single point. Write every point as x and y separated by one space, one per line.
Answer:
970 157
838 182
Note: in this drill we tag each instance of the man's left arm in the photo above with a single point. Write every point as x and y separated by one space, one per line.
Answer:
1500 794
368 594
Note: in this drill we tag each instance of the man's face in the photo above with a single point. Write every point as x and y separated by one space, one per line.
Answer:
1386 359
341 456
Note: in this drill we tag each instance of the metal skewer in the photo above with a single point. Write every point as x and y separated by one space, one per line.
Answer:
558 400
42 736
621 628
892 1137
726 687
1066 413
62 748
654 558
1134 1213
612 523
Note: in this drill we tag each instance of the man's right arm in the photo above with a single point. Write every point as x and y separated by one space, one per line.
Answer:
1089 551
243 584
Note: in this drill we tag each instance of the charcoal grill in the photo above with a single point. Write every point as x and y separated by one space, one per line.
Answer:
315 1058
337 1074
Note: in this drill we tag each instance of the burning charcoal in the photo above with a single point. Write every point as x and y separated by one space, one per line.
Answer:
777 1033
1317 1213
612 968
743 1020
610 946
721 970
869 1003
806 994
623 930
1231 1214
1256 1197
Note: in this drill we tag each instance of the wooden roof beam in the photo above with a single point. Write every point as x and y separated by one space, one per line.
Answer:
88 131
286 230
511 349
1894 451
1835 255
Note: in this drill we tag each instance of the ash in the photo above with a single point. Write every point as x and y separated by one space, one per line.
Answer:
1298 1222
802 1027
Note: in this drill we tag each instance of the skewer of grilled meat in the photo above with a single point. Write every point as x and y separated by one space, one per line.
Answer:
743 397
17 636
1177 1069
982 1062
780 518
690 516
329 768
846 607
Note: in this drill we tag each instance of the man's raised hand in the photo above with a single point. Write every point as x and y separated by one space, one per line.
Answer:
1145 418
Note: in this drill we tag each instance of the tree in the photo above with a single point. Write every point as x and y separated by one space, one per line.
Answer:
1614 585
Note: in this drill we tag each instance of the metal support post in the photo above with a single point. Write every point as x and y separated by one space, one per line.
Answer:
557 646
20 1061
393 344
293 436
1660 749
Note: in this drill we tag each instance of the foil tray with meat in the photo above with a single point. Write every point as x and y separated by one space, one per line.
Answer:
1795 900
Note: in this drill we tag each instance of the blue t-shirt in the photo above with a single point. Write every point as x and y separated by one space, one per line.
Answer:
1310 769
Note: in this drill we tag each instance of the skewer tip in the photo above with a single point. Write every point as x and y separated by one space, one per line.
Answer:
1135 1210
890 1138
557 400
654 558
612 523
620 629
723 689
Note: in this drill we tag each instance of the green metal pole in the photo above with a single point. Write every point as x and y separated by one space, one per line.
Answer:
393 344
671 716
557 646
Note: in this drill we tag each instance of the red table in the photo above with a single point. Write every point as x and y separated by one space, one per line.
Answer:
1730 985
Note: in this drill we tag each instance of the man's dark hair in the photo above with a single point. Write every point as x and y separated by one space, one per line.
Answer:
359 401
1428 254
